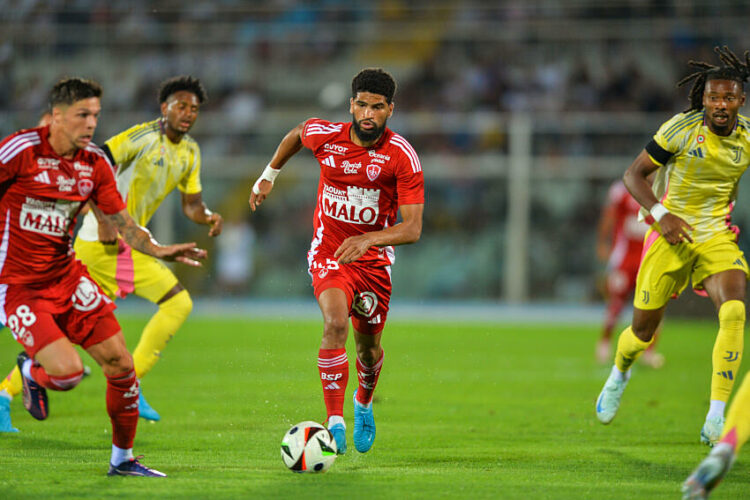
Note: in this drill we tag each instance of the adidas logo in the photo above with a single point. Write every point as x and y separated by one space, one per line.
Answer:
739 262
696 153
329 162
42 177
332 386
727 374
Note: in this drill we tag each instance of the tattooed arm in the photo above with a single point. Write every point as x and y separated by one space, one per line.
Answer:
140 239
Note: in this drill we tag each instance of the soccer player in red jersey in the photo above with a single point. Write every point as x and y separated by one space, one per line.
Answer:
47 299
368 173
620 244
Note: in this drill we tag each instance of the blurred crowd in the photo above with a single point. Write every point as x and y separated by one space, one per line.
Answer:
463 67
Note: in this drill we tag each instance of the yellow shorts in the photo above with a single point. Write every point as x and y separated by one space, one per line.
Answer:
666 269
120 270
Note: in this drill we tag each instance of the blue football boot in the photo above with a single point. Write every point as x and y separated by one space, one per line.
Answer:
364 426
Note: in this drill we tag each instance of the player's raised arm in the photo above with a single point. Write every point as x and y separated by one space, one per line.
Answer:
673 228
288 147
140 239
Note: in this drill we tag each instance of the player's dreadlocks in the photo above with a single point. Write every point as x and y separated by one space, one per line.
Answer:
179 83
733 69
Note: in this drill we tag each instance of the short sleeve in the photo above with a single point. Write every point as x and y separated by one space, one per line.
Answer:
191 183
670 138
121 146
315 132
409 177
12 152
105 193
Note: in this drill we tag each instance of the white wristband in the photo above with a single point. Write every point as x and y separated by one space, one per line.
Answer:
269 174
658 211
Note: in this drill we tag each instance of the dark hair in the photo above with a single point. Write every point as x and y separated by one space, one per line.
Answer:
184 82
376 81
733 69
70 90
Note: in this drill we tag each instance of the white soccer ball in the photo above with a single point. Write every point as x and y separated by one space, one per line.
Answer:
308 447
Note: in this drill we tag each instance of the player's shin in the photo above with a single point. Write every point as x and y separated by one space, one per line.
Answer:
333 367
629 349
368 379
159 331
727 353
737 426
122 406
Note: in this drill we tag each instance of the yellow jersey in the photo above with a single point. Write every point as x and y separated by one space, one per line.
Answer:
149 166
699 170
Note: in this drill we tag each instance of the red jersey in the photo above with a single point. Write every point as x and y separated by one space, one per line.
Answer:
628 236
40 195
360 189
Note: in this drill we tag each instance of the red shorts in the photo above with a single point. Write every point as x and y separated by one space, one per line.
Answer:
621 280
69 306
367 289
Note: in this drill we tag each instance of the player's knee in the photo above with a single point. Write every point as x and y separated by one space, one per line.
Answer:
336 328
63 365
369 355
117 362
732 311
180 305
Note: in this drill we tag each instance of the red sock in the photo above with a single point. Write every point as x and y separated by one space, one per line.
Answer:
334 375
56 383
368 379
122 406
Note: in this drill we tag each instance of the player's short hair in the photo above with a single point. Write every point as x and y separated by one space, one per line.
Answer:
183 82
375 81
70 90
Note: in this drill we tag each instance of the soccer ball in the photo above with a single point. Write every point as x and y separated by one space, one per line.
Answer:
308 447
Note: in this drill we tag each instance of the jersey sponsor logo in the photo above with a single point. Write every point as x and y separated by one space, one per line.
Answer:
83 169
335 148
85 186
87 296
65 184
373 171
355 205
365 303
46 163
377 157
329 162
351 168
43 177
43 217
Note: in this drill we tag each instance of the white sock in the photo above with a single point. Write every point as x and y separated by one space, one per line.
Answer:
26 369
336 419
716 409
618 375
119 455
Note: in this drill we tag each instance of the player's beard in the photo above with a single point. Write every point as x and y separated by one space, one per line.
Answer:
367 135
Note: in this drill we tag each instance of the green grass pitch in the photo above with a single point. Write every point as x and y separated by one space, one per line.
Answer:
464 410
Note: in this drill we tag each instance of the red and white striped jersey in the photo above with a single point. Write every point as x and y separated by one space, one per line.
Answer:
40 195
360 189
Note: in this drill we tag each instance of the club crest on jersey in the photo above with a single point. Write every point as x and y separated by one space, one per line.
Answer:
736 153
85 186
373 171
365 303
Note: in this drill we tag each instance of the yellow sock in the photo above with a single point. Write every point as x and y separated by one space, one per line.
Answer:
629 348
737 426
727 353
12 384
159 330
